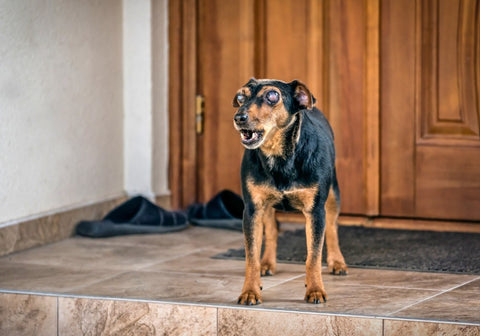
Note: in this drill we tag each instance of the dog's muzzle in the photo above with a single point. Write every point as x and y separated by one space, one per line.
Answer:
251 138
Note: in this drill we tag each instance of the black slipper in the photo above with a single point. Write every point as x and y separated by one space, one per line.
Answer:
136 216
224 211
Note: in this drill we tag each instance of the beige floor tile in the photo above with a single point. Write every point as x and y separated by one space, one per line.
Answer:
257 322
47 279
178 267
471 287
107 317
343 298
409 328
92 254
190 238
460 306
391 278
203 263
178 287
28 315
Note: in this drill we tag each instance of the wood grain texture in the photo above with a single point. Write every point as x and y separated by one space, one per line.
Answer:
346 97
429 94
226 62
448 93
182 91
397 107
398 80
372 110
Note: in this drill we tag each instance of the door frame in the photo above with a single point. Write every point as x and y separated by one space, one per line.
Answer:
182 18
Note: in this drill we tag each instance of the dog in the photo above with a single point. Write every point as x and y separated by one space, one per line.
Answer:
288 165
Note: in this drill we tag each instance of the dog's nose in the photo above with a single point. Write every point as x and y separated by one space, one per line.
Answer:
241 118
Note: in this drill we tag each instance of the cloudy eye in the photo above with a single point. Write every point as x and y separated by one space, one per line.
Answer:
272 97
241 98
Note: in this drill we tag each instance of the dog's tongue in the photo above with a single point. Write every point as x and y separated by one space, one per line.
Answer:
248 135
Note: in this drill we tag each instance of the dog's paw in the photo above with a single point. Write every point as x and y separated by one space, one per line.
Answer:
268 268
249 298
316 295
337 268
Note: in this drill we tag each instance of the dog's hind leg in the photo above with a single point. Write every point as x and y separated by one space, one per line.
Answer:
335 261
269 259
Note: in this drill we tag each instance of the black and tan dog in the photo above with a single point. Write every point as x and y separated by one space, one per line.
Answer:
288 164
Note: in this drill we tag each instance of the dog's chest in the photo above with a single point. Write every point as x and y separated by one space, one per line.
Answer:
294 198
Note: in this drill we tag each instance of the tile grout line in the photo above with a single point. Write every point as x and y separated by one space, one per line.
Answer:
433 296
217 320
58 317
140 268
284 281
69 291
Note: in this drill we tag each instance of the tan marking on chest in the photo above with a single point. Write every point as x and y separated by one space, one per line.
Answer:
264 195
302 199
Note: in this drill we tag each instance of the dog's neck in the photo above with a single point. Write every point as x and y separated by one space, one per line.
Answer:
284 140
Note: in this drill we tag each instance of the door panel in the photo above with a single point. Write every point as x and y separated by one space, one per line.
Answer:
430 109
225 62
347 96
284 39
448 182
448 142
397 108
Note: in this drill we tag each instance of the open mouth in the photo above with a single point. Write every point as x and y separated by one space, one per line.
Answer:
250 137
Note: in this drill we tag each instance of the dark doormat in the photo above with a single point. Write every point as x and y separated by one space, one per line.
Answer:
424 251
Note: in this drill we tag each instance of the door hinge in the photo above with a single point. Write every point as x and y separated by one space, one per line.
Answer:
199 113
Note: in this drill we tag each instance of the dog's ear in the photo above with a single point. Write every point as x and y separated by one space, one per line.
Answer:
303 98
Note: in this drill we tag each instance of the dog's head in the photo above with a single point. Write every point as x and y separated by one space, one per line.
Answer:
267 106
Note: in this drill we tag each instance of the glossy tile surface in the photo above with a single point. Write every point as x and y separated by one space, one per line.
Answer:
28 315
178 269
408 328
344 297
107 317
50 228
252 322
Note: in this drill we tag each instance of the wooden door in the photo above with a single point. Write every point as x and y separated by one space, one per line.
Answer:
225 62
398 80
286 40
430 96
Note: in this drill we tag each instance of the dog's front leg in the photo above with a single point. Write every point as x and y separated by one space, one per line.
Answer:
315 229
253 231
269 259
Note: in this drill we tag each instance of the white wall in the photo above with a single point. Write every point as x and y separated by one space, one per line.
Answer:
160 96
62 103
61 138
145 54
137 56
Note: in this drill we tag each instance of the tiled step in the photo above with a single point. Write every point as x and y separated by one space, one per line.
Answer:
169 284
33 314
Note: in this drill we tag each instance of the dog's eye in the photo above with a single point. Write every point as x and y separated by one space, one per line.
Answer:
241 98
272 97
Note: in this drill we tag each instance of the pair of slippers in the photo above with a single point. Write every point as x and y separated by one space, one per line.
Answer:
140 216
